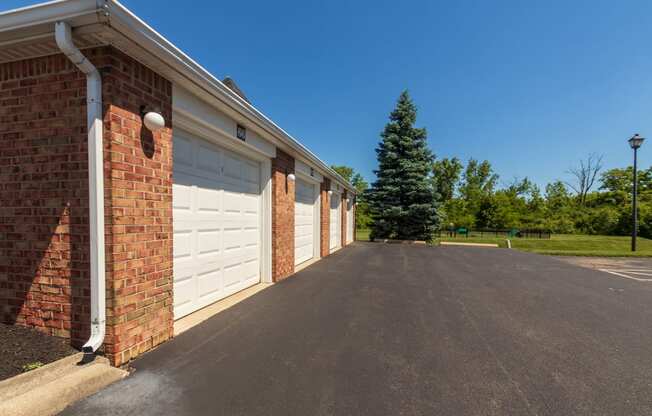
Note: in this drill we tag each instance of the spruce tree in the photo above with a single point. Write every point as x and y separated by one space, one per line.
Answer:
402 201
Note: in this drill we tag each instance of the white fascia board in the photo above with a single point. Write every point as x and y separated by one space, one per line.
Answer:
49 12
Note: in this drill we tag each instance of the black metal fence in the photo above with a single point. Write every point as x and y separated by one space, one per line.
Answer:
494 233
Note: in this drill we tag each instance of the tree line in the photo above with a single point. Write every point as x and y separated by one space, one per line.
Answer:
416 193
591 201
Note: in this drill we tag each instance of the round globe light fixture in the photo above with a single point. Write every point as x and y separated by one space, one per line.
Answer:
291 177
153 121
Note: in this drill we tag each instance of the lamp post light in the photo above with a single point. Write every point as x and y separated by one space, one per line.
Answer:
635 142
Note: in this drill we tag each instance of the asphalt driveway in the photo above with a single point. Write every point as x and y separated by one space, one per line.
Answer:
409 330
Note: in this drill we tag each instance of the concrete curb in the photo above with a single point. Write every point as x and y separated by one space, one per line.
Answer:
388 241
50 389
448 243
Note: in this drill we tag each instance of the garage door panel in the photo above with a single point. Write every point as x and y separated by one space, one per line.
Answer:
304 213
250 204
238 260
209 241
183 152
304 221
181 197
304 191
182 244
208 160
240 222
239 238
232 239
304 248
251 173
185 289
250 237
241 272
209 199
184 270
239 188
232 202
209 282
232 166
250 269
335 221
350 226
304 235
216 216
232 274
303 253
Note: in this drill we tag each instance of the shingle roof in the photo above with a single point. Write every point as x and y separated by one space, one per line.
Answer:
229 82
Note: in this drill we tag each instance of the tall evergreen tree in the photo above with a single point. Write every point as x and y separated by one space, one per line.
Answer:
402 201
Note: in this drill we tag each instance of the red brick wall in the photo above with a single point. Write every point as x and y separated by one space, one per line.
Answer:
325 218
282 216
355 208
344 211
138 169
44 243
44 256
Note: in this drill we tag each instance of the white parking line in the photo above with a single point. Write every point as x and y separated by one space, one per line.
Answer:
640 272
621 273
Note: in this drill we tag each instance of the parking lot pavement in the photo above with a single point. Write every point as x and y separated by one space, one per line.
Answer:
380 329
638 269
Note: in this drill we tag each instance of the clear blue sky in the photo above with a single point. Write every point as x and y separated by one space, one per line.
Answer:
531 87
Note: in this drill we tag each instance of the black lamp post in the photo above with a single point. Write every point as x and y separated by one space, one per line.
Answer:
635 142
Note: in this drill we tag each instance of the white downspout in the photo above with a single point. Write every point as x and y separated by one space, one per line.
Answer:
63 36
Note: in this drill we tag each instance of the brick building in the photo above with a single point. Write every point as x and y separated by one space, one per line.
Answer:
110 229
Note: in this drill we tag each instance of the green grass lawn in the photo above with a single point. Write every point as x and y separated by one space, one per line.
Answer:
362 235
561 244
572 245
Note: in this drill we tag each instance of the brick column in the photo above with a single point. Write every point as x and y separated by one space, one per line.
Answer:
282 216
355 208
345 202
325 218
138 195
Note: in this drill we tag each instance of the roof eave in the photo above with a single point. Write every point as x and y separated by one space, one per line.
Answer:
49 12
125 21
122 20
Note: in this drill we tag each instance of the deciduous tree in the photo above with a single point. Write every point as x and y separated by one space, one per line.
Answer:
446 175
585 176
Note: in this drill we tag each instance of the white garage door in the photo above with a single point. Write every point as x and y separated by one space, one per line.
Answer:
304 222
335 221
216 221
350 221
